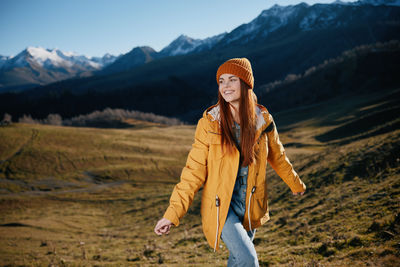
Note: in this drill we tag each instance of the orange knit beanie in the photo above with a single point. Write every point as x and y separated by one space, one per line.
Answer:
240 67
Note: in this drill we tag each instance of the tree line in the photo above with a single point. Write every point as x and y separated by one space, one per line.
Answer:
105 118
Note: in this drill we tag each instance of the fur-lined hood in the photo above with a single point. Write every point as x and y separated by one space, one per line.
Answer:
264 119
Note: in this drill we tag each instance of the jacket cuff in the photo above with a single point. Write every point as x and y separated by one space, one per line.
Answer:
171 215
299 187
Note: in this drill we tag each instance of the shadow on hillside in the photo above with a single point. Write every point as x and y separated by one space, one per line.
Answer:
366 126
349 118
370 119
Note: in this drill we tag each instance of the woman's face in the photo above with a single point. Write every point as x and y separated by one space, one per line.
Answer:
229 87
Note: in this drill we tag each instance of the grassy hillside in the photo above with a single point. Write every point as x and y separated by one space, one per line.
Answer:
85 197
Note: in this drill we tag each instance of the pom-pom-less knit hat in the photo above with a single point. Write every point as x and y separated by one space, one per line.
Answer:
240 67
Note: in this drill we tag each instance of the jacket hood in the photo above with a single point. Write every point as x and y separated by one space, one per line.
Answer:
262 115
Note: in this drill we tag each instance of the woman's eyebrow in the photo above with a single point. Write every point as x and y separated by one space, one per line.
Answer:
228 77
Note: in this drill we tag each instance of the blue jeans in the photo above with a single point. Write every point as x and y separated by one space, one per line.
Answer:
239 241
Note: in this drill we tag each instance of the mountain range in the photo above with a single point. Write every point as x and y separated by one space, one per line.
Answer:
183 45
38 66
280 42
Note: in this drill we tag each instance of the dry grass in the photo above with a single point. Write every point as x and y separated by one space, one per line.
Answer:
91 197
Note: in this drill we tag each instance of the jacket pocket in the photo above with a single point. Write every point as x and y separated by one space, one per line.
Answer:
215 150
259 204
210 218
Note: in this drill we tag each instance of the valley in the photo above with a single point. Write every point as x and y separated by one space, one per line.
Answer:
91 196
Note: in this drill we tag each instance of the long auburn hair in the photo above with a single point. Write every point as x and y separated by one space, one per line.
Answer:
247 115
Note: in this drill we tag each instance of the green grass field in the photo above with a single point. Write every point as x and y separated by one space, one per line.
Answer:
91 197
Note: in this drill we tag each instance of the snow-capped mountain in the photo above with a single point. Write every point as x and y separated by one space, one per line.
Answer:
285 21
378 2
210 42
185 45
55 58
3 60
322 17
338 2
182 45
276 40
306 17
268 21
276 24
106 60
369 2
38 66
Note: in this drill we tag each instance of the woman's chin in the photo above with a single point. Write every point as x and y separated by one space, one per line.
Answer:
230 99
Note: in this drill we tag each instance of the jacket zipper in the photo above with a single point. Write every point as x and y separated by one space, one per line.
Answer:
217 204
248 206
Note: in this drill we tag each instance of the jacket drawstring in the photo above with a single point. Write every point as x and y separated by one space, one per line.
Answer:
217 204
248 207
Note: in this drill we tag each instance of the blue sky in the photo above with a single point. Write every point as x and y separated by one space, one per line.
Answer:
96 27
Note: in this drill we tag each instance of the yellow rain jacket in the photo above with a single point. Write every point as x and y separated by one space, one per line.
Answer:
209 167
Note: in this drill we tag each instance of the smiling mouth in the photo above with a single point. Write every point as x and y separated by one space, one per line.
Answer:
228 92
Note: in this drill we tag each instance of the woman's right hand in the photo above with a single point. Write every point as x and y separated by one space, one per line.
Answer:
163 226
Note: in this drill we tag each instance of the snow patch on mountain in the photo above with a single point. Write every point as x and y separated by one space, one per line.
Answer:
369 2
338 2
379 2
46 57
322 17
185 45
268 21
282 12
107 59
3 60
181 45
209 42
54 58
279 16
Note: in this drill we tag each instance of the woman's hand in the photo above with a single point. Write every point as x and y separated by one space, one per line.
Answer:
299 193
163 226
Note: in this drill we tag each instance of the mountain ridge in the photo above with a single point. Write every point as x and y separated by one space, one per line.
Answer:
365 68
38 66
269 22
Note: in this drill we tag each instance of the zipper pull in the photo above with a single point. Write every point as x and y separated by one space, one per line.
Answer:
217 231
217 201
253 189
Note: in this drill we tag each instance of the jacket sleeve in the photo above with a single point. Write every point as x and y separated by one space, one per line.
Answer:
192 178
279 161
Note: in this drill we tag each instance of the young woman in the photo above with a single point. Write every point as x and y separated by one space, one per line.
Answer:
234 140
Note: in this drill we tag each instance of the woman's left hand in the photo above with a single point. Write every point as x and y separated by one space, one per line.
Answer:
299 193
